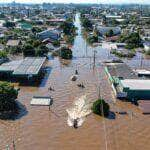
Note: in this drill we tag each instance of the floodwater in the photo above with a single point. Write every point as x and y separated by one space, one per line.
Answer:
41 129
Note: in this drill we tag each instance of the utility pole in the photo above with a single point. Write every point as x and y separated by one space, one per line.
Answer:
104 123
86 48
141 62
99 92
94 58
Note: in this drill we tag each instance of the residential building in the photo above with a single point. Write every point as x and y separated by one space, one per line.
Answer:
103 30
49 34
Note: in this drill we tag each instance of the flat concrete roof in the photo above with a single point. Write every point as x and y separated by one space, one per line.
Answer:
135 84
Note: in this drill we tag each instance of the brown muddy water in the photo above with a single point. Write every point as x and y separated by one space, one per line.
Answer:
41 129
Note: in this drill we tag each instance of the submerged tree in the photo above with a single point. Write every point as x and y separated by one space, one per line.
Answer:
8 96
100 107
65 53
28 50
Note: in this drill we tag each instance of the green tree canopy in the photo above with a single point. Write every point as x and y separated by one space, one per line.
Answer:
68 28
133 40
41 50
110 33
66 53
9 24
3 54
8 96
28 50
87 24
100 107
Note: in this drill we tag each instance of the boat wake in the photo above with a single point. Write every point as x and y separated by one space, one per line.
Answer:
77 113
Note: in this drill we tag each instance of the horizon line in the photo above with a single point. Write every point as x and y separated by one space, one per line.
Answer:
127 3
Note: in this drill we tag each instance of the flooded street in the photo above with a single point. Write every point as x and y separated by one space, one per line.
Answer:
41 129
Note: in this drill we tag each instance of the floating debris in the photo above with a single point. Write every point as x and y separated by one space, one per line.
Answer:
73 78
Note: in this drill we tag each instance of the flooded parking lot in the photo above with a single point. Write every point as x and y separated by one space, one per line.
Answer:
41 129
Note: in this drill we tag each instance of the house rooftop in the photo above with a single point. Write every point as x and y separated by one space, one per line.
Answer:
13 42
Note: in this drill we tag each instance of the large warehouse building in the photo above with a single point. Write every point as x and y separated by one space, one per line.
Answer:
126 83
28 68
135 89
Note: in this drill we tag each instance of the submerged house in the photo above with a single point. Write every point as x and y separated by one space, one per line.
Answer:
126 83
102 30
13 43
28 68
49 34
135 89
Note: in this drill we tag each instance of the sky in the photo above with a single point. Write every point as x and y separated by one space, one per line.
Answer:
81 1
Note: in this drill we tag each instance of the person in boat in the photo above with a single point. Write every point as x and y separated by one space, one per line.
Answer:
75 123
81 85
76 72
50 89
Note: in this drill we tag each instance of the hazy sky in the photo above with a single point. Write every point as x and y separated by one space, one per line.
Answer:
81 1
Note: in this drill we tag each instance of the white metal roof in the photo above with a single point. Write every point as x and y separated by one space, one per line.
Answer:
41 101
10 66
143 72
30 66
27 66
136 84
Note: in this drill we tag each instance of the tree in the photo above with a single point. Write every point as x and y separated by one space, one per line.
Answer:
34 48
41 50
15 50
133 40
92 39
65 53
9 24
8 96
3 54
110 33
68 27
28 50
56 43
99 106
36 29
87 24
2 15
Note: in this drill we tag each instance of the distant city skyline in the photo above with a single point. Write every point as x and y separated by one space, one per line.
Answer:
81 1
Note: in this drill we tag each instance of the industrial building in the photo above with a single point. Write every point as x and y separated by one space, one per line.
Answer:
29 67
135 89
126 83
